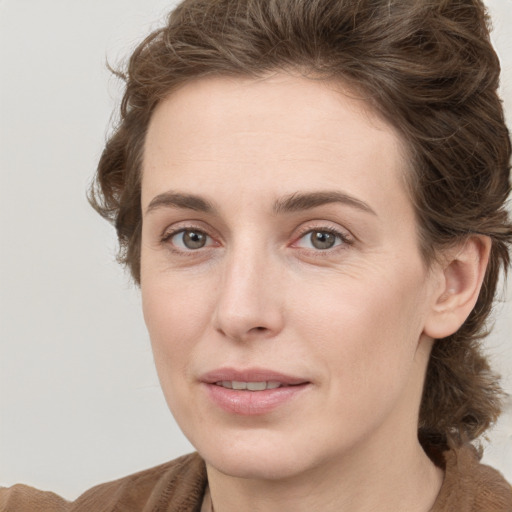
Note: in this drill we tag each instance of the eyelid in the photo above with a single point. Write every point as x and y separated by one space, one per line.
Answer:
188 224
173 233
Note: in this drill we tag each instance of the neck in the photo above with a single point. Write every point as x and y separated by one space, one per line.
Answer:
397 476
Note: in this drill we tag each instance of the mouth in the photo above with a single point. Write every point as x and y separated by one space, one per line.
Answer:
252 392
251 379
250 386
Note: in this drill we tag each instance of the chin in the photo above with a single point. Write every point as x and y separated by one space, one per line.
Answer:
254 466
258 455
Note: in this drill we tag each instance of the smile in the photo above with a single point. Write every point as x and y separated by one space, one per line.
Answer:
252 391
249 386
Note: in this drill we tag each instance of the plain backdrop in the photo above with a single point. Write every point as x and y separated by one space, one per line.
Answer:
79 398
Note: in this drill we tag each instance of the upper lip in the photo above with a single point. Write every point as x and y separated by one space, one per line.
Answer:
250 375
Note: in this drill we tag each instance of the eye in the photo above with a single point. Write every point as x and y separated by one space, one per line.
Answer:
320 239
189 239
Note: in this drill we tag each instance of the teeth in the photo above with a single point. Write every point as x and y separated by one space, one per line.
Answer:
250 386
256 386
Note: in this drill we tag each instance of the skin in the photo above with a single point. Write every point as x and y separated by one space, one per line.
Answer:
355 320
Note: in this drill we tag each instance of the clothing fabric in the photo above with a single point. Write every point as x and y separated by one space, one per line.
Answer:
179 486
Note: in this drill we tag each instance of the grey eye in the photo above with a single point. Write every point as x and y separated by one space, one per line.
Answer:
190 239
322 239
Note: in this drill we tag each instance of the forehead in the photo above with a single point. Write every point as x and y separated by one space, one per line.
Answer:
275 131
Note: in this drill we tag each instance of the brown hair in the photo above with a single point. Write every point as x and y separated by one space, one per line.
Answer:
427 66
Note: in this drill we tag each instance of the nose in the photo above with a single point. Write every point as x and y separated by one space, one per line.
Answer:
250 296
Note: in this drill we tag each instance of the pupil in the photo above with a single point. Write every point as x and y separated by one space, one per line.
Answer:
322 240
194 239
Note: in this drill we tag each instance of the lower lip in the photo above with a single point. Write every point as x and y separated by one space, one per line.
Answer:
251 403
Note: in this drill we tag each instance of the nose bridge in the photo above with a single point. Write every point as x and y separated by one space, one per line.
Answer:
248 301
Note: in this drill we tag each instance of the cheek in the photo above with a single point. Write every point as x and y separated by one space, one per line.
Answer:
367 328
175 321
176 314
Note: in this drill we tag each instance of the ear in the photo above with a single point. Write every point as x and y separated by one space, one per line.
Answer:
461 276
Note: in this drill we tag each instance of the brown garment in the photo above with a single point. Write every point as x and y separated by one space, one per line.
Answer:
178 486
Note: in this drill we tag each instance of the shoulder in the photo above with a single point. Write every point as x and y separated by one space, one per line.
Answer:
180 482
470 486
22 498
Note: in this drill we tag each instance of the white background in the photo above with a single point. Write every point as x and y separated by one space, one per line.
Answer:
79 398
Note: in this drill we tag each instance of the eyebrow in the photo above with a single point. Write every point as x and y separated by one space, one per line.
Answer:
177 200
305 201
292 203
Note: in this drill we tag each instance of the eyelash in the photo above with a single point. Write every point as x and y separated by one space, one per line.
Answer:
341 237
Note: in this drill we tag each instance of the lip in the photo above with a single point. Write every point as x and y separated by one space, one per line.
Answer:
251 403
251 375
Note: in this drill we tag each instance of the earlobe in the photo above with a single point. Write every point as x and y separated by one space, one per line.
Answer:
462 274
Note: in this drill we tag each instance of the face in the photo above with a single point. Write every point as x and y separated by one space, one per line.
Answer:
282 284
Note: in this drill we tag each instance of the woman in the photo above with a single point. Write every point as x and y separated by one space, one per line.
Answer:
311 196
